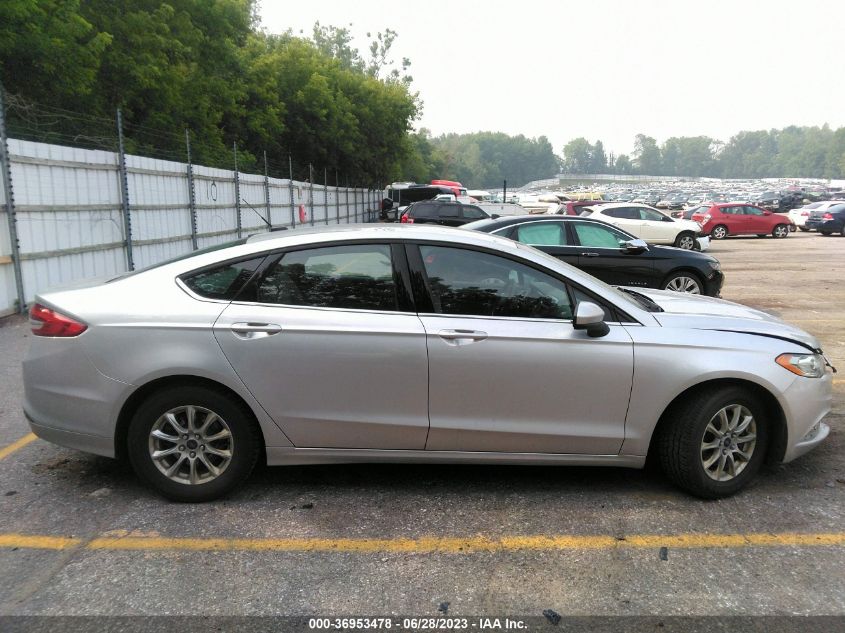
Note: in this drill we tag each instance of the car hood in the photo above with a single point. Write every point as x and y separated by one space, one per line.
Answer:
708 313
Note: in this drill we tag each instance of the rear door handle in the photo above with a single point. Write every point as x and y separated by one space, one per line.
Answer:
589 254
254 330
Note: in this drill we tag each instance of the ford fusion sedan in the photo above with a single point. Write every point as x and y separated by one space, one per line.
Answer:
611 254
413 343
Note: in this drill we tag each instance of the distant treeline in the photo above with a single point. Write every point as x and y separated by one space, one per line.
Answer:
808 152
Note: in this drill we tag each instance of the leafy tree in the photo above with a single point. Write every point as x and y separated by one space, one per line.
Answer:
647 159
577 156
598 159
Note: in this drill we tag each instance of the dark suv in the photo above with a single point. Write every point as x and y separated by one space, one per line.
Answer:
445 213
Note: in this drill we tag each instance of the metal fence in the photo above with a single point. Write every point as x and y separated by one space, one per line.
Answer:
74 213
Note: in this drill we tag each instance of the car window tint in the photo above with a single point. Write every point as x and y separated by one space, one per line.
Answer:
424 211
473 213
651 216
542 234
753 211
473 283
357 276
599 236
224 281
450 210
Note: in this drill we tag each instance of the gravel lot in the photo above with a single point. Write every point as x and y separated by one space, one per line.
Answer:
329 540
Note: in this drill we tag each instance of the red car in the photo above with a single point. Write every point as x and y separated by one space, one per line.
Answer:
574 207
732 218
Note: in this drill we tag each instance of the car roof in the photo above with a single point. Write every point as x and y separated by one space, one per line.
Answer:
522 219
618 205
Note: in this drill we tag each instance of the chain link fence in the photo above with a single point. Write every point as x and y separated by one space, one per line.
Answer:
81 206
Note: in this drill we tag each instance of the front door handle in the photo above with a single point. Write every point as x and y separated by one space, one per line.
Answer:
589 254
248 331
462 337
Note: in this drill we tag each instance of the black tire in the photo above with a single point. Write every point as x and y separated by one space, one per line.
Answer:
780 231
803 229
681 274
719 232
682 431
825 233
245 442
686 240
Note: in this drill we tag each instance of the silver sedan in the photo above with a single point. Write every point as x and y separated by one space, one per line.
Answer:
409 344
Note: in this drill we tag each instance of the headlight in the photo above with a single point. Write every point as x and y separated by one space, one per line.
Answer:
806 365
714 264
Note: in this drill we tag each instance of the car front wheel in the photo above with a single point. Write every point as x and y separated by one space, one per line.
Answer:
713 443
685 241
683 282
780 231
192 444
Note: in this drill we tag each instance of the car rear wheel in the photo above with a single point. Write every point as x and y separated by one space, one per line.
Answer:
192 444
683 282
713 443
719 232
686 241
780 231
825 233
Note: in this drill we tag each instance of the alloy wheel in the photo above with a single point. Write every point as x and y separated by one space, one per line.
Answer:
687 242
728 443
684 284
191 445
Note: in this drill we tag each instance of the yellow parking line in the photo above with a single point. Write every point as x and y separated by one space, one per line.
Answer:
28 541
430 544
11 448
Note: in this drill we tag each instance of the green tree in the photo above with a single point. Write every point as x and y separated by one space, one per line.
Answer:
647 158
577 156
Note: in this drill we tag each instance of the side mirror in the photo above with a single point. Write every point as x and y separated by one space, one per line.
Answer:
635 246
590 317
495 216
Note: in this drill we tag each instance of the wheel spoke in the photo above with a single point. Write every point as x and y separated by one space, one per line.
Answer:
161 435
165 452
743 454
736 413
723 418
729 459
176 465
214 470
712 460
171 419
712 429
191 414
222 435
720 469
746 421
746 438
192 476
710 445
219 452
210 418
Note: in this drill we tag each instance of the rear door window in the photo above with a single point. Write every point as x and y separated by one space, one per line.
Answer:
223 281
542 234
358 276
597 236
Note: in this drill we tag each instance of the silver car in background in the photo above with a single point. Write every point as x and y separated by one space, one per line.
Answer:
409 344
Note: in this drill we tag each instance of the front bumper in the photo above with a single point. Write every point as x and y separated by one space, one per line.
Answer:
807 401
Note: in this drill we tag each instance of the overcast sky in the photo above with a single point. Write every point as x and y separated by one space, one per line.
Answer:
605 69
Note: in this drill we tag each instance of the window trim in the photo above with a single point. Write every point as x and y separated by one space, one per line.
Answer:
226 262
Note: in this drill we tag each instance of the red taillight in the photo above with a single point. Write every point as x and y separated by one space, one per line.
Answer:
406 219
47 322
827 216
806 214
